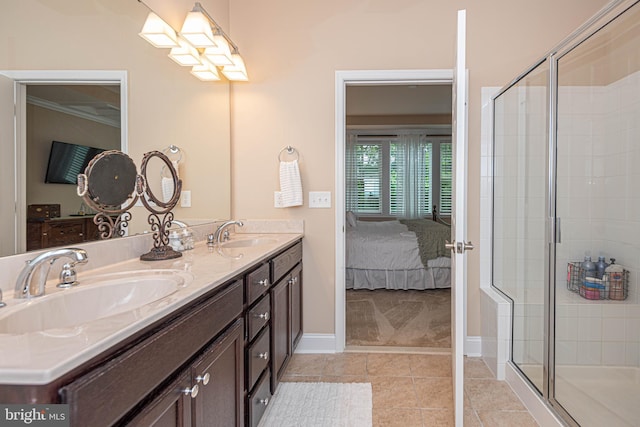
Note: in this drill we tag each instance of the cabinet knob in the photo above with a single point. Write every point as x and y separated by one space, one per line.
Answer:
291 281
264 282
264 401
203 378
193 391
264 315
264 355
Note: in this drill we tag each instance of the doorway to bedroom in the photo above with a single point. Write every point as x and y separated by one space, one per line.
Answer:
397 164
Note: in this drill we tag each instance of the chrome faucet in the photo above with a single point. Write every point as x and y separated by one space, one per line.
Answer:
224 232
2 304
24 286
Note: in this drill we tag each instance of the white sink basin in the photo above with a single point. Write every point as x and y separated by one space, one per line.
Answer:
95 298
247 243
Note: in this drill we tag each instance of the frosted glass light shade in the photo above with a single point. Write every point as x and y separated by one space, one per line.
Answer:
158 33
186 54
197 30
206 71
237 71
220 55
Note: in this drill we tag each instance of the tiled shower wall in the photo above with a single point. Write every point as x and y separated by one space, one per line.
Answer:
599 206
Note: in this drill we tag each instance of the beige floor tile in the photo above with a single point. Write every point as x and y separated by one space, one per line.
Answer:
430 365
437 418
306 364
506 419
434 393
393 392
488 394
474 367
397 417
345 364
396 365
300 378
471 418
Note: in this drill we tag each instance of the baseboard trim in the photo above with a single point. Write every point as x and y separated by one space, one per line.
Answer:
473 347
317 343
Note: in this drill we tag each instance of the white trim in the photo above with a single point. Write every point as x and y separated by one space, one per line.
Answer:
530 398
473 346
356 77
317 343
72 111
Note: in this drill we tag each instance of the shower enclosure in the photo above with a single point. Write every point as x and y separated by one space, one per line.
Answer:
566 176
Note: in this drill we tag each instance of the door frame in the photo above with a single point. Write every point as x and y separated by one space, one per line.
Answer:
353 78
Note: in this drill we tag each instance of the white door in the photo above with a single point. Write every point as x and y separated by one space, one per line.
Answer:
459 220
7 170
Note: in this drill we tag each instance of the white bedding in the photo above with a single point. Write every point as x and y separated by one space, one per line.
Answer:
385 255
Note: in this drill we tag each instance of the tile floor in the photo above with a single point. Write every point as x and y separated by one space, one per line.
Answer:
415 389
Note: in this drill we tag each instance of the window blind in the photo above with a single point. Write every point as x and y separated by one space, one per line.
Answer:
446 191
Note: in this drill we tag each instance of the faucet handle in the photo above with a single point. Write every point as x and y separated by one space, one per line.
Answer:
68 276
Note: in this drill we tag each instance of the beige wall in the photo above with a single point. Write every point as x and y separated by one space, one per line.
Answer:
292 50
167 105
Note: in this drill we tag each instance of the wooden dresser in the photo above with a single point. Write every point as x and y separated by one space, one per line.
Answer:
50 232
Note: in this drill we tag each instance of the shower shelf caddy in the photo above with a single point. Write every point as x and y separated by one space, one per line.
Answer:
610 287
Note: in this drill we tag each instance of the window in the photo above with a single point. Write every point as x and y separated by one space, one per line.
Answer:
397 175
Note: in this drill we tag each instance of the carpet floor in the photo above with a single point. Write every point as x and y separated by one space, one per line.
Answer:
319 404
399 318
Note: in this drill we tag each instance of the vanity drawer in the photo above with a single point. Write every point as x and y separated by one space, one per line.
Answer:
257 358
130 376
259 400
257 283
284 262
258 316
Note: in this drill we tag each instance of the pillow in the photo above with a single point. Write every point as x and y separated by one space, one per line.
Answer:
351 219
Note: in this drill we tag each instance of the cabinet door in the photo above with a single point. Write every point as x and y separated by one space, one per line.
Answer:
280 330
296 306
171 408
219 374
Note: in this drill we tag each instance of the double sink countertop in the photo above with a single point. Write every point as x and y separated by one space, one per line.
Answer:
42 356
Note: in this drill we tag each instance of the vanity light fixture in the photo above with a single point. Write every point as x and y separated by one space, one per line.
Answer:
158 33
206 71
201 44
186 54
197 30
237 71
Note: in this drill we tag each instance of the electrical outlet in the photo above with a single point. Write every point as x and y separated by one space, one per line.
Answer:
185 199
319 199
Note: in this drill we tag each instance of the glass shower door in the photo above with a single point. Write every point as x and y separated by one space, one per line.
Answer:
519 213
597 316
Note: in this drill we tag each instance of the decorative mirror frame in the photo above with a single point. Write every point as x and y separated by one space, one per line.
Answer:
161 249
111 219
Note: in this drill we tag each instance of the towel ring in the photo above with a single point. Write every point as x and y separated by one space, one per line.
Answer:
290 151
173 150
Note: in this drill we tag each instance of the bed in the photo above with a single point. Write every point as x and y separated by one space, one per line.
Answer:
397 254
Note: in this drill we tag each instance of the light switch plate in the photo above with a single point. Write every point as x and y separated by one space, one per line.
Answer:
319 199
277 199
185 199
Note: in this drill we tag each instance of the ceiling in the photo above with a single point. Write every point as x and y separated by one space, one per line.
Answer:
364 100
100 103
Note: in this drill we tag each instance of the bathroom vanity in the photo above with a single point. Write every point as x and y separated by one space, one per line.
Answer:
214 360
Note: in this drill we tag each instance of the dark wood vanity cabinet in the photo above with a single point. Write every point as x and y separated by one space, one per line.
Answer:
210 363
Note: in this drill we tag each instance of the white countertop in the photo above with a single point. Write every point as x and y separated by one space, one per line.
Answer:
41 357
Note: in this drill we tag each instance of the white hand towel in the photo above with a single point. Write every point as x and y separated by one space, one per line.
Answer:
290 184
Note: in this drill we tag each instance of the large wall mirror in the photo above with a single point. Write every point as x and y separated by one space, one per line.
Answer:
80 76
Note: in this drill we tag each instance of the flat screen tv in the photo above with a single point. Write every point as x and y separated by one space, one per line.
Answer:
67 160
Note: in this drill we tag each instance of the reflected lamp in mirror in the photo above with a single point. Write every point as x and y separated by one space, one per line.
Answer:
108 186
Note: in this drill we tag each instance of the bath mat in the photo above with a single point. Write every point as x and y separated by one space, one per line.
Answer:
319 404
